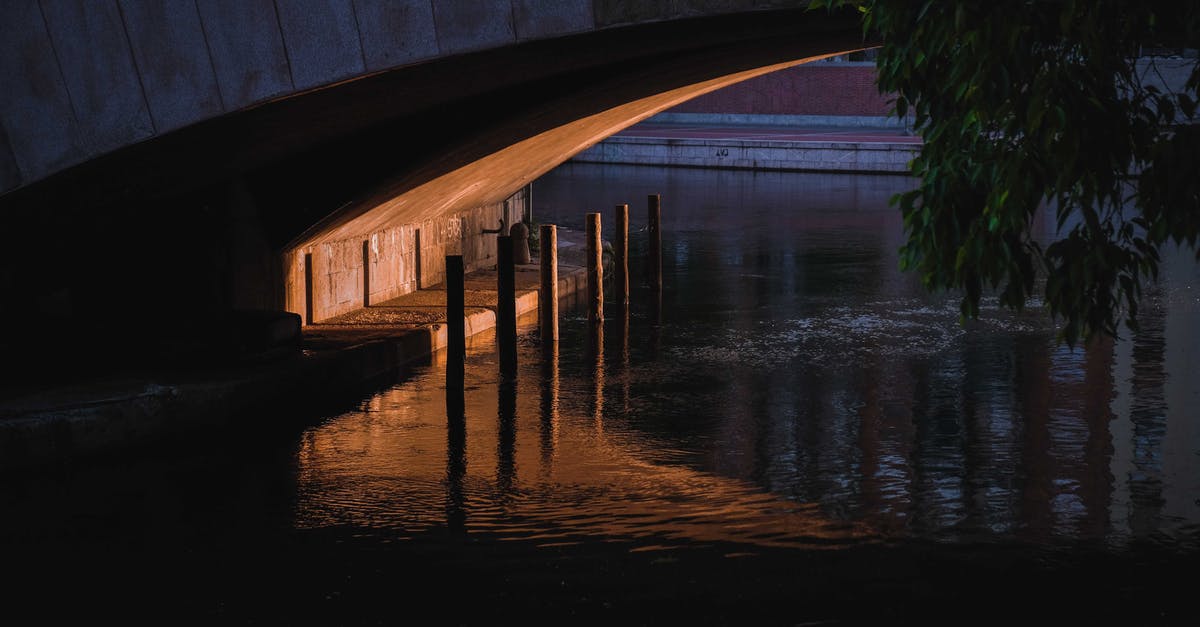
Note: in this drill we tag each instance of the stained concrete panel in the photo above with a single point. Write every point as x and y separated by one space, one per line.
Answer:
464 26
247 50
614 12
35 109
395 32
321 37
536 19
97 63
172 59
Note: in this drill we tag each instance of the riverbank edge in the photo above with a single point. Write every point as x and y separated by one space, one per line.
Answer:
132 413
876 157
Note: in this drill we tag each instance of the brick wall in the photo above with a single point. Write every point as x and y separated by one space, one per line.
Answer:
819 88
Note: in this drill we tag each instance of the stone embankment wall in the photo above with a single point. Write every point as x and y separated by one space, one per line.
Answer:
743 154
392 262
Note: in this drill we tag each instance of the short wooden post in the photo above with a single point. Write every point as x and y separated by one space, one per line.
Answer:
308 288
548 296
366 273
456 341
621 253
417 257
654 254
506 306
595 270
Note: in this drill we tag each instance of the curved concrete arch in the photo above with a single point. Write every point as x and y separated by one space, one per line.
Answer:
84 78
187 220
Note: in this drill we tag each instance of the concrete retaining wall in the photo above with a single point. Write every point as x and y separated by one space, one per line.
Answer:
754 155
818 88
397 260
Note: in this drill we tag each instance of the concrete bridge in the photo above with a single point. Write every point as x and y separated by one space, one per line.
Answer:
185 158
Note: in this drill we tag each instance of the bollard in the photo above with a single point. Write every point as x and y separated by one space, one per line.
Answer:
548 296
621 253
506 307
654 254
520 243
308 288
456 341
417 257
366 273
595 270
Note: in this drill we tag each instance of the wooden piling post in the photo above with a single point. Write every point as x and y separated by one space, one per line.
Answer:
308 288
506 306
654 254
456 341
621 253
595 270
548 296
366 272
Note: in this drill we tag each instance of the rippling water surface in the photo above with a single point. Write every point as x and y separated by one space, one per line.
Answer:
792 388
795 434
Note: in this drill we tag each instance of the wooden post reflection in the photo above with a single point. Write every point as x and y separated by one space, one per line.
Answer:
655 322
506 445
623 334
596 356
549 405
456 467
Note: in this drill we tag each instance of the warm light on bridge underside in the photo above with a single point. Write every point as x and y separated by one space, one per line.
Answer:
496 176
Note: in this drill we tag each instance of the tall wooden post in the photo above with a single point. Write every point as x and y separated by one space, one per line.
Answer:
366 273
308 288
456 340
548 297
506 307
621 253
654 254
595 270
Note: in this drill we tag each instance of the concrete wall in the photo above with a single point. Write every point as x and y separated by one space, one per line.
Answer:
85 77
812 89
393 262
806 156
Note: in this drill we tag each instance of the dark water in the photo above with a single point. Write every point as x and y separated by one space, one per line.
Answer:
793 391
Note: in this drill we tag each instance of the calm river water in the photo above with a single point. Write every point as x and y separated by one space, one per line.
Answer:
794 392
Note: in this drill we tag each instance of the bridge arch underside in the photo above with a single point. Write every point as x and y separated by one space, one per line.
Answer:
161 239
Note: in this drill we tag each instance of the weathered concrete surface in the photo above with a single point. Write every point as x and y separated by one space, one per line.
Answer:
86 78
322 40
36 111
464 26
395 32
533 19
877 157
246 47
172 56
97 66
395 265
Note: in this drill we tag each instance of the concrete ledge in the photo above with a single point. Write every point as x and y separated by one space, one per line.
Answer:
119 415
797 121
749 154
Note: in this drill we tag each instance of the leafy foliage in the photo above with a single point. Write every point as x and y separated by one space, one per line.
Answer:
1043 105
